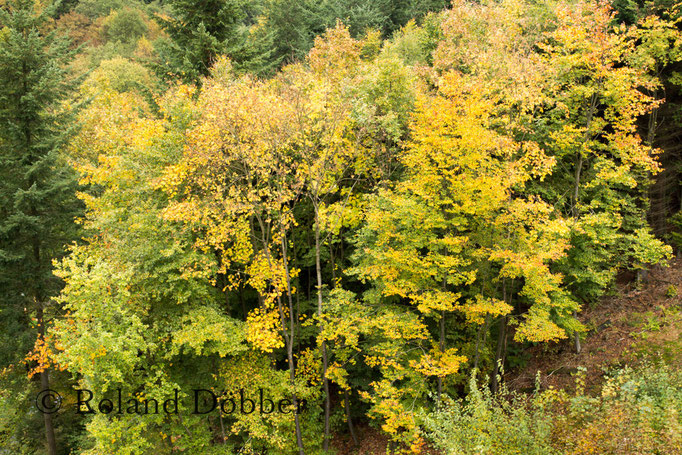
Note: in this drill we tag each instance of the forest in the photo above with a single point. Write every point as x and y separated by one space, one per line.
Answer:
340 226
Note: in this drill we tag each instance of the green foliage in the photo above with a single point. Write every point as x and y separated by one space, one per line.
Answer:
636 411
598 90
124 25
643 403
121 75
483 423
671 291
99 8
676 234
139 298
38 205
414 45
328 199
17 433
285 30
198 34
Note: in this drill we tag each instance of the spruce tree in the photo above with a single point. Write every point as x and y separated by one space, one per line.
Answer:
38 201
199 32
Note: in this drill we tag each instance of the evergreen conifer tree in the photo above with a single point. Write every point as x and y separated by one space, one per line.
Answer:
38 201
199 32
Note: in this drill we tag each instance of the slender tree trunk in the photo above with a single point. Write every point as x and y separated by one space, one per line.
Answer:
478 344
298 310
346 394
288 335
351 428
486 329
241 300
576 189
220 412
45 384
501 344
499 353
167 439
325 381
298 321
44 374
47 418
222 426
442 348
578 348
653 116
581 159
576 194
290 345
292 378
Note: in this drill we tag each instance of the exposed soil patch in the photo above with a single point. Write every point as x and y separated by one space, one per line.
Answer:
370 442
635 323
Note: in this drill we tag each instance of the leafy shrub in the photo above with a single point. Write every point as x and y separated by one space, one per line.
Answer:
125 26
489 424
109 51
676 234
121 75
97 8
78 27
637 411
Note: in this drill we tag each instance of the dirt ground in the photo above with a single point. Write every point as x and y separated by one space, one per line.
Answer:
638 322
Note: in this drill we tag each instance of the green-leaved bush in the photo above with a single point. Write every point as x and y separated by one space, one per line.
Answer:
487 424
636 411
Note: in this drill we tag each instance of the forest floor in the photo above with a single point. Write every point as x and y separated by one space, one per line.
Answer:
636 323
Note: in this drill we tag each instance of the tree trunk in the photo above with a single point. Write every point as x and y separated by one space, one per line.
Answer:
478 344
45 384
442 348
579 166
578 348
501 343
325 381
290 344
241 300
576 190
351 428
499 353
346 397
222 426
288 335
44 374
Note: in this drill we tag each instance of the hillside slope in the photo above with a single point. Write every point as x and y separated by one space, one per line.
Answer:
636 323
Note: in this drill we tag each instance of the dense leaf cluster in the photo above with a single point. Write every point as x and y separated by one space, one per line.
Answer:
349 204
